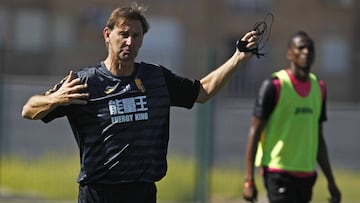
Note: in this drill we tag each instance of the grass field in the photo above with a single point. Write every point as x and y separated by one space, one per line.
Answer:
54 178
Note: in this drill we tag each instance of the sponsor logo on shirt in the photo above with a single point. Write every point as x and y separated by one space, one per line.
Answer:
303 110
128 109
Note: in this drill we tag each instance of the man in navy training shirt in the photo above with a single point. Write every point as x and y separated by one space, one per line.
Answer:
119 111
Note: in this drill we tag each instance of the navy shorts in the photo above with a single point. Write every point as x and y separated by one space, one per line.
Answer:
118 193
285 188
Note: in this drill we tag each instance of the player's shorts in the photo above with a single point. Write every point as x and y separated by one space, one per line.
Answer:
285 188
124 193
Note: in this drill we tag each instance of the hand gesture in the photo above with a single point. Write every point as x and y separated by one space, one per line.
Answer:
247 43
70 92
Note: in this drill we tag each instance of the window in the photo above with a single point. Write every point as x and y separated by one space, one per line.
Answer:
3 25
162 44
249 6
63 31
334 52
30 30
342 3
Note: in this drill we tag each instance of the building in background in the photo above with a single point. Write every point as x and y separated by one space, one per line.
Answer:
50 37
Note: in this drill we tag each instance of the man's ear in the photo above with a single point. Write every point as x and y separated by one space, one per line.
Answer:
289 55
106 34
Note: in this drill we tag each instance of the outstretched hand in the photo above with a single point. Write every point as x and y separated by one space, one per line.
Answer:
262 31
247 43
251 39
70 92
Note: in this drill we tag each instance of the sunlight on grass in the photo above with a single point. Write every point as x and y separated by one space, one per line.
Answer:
348 182
178 184
54 177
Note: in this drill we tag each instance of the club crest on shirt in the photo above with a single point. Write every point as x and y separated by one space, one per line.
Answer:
139 85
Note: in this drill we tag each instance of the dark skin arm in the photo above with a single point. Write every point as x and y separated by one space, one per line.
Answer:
324 163
250 190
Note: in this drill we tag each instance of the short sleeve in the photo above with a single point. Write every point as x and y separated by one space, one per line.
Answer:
266 99
183 91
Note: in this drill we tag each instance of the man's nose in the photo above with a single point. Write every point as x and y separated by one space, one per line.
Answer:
129 40
306 50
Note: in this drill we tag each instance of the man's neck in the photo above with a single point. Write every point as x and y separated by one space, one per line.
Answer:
299 73
119 68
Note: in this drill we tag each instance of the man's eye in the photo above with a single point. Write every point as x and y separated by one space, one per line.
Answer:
301 47
124 35
310 48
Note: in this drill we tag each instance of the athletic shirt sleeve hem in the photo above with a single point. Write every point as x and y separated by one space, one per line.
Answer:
266 99
183 91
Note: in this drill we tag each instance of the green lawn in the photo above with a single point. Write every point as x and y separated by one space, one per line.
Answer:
54 177
51 177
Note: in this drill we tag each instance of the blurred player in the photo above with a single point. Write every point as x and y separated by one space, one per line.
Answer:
286 131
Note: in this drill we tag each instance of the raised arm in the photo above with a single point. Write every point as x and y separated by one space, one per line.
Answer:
39 106
216 80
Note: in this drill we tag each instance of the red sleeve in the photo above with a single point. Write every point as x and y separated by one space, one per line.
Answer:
323 91
277 85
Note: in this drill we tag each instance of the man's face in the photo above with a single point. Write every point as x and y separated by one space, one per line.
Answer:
125 40
301 52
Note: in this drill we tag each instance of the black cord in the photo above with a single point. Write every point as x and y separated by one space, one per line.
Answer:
262 29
